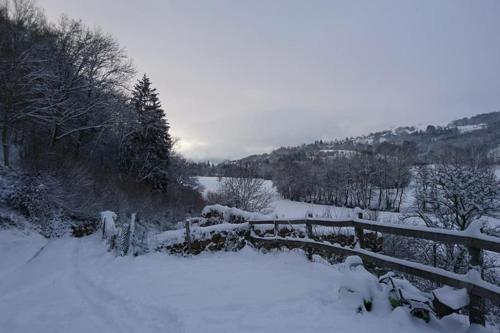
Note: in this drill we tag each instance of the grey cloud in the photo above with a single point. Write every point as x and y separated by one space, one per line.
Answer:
242 77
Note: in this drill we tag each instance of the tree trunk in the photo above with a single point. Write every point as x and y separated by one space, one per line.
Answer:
400 199
380 193
53 139
5 145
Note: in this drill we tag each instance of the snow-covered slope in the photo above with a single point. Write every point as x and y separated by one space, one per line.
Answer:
74 285
470 128
282 208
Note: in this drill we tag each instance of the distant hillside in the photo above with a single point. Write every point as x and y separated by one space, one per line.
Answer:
483 118
480 131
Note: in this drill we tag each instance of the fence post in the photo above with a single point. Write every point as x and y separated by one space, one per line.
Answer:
309 233
476 304
360 234
276 229
188 236
131 232
309 230
103 222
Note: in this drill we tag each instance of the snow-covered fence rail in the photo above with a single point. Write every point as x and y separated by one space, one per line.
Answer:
485 242
475 242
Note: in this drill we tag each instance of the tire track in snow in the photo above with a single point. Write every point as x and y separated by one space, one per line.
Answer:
37 253
88 295
117 312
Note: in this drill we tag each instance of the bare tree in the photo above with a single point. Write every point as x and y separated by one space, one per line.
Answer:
244 192
21 25
85 71
455 195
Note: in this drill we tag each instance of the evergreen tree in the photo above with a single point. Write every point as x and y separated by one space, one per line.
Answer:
149 144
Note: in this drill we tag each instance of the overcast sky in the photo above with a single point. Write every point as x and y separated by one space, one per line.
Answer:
244 77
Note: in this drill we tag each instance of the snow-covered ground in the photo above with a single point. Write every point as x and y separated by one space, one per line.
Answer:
74 285
283 208
470 128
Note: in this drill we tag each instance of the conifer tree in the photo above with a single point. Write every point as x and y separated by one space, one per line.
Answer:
149 145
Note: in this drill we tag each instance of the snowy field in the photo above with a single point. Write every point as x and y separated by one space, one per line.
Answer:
283 208
74 285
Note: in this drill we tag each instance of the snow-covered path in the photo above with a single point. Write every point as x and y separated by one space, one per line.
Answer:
74 285
58 290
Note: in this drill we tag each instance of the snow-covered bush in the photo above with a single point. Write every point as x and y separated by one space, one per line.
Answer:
39 199
365 292
34 198
57 225
217 214
401 292
455 194
244 192
458 192
56 203
9 180
359 286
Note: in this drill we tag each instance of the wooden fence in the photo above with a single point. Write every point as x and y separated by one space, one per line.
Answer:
477 288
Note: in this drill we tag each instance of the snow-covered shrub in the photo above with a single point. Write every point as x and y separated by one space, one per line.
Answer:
84 228
39 199
454 194
245 192
55 203
358 286
217 214
34 198
12 219
9 180
365 292
401 292
56 225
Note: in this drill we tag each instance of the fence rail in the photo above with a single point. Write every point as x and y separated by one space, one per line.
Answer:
484 242
477 288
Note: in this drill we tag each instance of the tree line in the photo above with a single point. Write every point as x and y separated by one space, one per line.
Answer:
375 180
68 113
